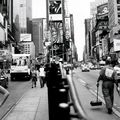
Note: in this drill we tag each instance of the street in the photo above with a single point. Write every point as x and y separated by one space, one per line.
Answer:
17 90
85 83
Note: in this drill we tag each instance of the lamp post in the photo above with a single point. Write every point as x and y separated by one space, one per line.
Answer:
71 50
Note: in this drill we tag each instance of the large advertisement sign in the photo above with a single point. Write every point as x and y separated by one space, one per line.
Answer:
116 44
102 10
2 34
25 37
56 32
55 10
1 19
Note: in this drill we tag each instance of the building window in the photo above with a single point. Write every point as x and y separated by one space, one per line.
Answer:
118 8
119 15
118 1
119 21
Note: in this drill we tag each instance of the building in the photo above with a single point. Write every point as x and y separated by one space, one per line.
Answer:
38 39
22 19
114 25
22 13
87 51
29 48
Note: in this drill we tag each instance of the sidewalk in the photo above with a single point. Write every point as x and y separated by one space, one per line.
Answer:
32 106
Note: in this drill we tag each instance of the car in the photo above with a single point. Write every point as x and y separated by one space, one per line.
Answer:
92 67
4 81
85 68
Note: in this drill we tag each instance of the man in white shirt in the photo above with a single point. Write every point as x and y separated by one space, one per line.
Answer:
42 76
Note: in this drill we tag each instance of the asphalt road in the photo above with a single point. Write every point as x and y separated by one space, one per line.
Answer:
85 83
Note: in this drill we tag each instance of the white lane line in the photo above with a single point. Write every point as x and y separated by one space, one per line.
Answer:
116 112
82 81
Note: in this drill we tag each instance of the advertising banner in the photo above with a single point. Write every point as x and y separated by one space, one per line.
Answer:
116 43
55 10
102 10
2 34
1 19
25 37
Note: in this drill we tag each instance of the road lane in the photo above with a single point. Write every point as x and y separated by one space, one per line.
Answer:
87 81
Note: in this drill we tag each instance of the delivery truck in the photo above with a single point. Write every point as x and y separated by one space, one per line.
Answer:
20 67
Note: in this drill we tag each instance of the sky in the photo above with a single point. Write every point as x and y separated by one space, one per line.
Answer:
80 11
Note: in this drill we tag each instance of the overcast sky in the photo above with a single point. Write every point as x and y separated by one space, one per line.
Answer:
79 9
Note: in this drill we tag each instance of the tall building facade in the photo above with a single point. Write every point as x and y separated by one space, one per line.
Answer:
87 38
114 25
22 17
37 27
29 48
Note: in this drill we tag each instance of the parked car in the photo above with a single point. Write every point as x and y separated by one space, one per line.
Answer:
4 81
92 67
85 68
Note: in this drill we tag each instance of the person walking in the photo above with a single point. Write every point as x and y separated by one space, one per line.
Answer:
42 76
33 76
108 76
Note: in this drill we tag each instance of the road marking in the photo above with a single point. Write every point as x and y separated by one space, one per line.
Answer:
116 112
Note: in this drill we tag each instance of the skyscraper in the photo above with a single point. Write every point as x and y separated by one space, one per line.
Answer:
22 17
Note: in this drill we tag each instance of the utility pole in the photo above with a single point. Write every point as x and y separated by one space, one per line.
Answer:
64 38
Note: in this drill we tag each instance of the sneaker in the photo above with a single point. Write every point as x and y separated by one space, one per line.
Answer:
109 111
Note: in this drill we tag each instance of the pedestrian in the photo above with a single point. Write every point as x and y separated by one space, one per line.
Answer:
108 76
33 76
4 92
42 76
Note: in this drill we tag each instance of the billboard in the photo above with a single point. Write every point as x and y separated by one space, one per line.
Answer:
2 35
102 10
25 37
56 31
55 10
116 43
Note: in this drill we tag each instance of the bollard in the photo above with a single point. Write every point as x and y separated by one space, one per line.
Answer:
57 94
63 112
63 95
